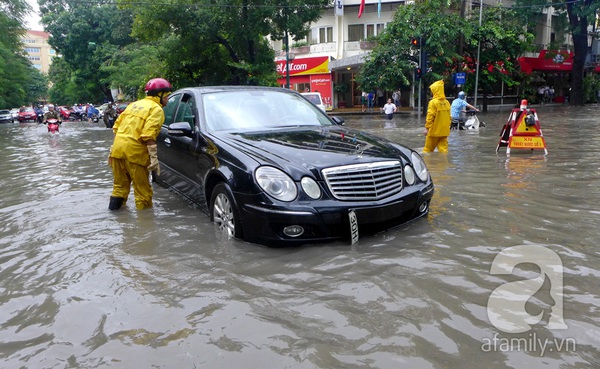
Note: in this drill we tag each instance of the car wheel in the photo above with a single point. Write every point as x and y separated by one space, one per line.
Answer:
224 212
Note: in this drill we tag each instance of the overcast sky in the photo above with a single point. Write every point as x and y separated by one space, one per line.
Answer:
33 19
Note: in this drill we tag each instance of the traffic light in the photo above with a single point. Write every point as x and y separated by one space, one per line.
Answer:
418 73
424 61
416 42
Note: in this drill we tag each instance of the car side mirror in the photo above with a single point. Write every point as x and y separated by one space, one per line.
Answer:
180 129
338 120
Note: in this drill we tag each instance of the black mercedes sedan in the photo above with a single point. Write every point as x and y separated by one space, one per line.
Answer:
270 167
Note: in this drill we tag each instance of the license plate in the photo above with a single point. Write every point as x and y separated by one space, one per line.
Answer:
353 226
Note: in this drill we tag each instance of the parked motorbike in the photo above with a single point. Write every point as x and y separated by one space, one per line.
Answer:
471 123
53 125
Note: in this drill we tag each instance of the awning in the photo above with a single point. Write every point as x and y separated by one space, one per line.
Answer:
352 62
548 61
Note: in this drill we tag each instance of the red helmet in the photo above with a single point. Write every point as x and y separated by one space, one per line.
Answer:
156 85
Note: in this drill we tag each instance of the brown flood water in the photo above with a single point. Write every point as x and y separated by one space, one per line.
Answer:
82 287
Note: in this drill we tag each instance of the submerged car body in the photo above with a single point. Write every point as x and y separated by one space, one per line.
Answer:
6 116
26 114
269 167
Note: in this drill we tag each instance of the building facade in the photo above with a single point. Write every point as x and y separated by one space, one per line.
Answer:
39 52
342 36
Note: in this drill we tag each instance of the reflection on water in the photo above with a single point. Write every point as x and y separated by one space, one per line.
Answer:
84 287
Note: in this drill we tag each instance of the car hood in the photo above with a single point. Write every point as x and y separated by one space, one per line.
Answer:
299 149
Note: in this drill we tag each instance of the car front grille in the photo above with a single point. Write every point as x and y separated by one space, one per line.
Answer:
371 181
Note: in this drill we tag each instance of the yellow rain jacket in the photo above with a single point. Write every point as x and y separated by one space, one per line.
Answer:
141 121
438 112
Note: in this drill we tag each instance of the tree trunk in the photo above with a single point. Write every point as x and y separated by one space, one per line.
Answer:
579 26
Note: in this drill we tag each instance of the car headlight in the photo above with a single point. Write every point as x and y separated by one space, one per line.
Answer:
276 183
311 187
419 166
409 175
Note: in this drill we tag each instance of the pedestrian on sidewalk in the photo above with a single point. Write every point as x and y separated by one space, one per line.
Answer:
396 96
380 97
363 101
370 98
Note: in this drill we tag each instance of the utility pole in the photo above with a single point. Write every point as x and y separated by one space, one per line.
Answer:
478 53
287 58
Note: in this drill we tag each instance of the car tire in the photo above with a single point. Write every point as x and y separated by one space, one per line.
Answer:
224 212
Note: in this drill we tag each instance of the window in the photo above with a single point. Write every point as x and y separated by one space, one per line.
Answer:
321 35
170 109
185 112
356 32
326 34
32 49
303 87
52 52
359 32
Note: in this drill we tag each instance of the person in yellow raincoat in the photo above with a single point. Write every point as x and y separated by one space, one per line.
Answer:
437 123
133 154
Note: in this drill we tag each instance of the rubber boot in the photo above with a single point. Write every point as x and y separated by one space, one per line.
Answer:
115 203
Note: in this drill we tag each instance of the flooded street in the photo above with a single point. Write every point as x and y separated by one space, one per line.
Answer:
82 287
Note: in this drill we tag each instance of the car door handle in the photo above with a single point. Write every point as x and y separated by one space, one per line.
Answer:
167 142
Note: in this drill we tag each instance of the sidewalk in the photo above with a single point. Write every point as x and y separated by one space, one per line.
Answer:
376 111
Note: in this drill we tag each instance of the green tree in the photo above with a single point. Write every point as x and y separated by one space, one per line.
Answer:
451 43
222 42
64 90
132 66
19 81
500 40
86 35
37 86
393 60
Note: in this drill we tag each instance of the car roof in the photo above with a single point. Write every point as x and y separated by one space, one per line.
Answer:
208 89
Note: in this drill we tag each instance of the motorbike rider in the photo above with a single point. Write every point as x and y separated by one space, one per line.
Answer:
52 114
134 153
78 109
109 115
39 112
91 111
458 112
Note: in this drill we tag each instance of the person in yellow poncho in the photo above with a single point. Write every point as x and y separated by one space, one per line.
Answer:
133 154
437 123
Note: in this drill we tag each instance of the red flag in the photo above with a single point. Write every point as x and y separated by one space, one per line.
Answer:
361 9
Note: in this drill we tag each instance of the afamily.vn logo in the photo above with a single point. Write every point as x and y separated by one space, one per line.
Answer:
506 304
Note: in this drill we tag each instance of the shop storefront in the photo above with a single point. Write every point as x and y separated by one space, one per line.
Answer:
554 69
308 74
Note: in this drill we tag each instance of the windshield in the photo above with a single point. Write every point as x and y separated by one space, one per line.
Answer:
251 110
313 98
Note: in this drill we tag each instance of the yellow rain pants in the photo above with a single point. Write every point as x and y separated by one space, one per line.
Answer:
126 172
